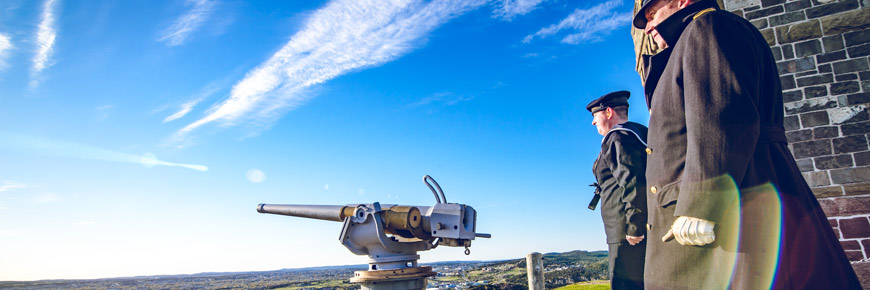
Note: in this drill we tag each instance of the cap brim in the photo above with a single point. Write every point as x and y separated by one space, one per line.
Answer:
639 21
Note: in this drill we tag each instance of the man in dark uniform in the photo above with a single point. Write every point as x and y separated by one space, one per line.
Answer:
619 172
722 181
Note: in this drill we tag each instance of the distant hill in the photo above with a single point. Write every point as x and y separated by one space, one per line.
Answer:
560 269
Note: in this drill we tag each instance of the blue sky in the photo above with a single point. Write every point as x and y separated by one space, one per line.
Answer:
137 137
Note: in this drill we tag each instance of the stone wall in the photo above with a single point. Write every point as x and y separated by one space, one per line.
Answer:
822 48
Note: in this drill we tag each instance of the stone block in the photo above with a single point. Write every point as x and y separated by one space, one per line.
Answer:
856 128
787 51
857 37
791 123
825 68
796 65
815 92
857 188
832 8
833 223
852 65
813 119
796 5
851 175
787 82
798 31
799 135
768 3
808 48
792 96
833 162
833 43
858 98
826 191
790 17
760 23
863 269
846 206
862 159
811 105
817 179
854 143
865 85
859 50
850 245
864 75
855 255
805 165
845 88
831 56
815 80
852 114
846 77
769 36
855 228
740 4
763 12
826 132
812 148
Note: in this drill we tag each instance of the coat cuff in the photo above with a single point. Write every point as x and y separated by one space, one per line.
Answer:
708 199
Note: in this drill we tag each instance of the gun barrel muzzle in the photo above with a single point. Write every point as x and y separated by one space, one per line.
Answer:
335 213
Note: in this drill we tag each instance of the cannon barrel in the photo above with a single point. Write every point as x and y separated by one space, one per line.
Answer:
335 213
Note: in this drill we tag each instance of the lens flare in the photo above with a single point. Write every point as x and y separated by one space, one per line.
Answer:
60 148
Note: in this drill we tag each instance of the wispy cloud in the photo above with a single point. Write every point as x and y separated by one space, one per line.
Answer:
508 9
443 98
45 37
186 107
11 185
587 24
343 36
186 24
5 47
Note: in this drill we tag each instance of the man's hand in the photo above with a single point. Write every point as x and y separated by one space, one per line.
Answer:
691 231
632 240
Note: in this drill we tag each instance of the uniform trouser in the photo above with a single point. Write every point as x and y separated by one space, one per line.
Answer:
626 265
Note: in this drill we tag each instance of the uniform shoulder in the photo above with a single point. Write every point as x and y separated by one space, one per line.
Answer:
718 19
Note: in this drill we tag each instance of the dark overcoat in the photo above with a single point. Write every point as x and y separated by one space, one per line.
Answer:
619 172
718 152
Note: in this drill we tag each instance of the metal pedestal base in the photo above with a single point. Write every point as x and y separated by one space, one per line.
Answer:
406 278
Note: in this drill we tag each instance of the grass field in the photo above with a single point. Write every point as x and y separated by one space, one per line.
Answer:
592 285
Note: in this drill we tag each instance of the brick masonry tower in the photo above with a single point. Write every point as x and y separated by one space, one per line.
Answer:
822 48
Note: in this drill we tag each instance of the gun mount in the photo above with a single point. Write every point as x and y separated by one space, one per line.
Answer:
391 235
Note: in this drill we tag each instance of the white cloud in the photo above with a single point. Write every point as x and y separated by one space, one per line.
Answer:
5 47
45 37
343 36
445 98
186 24
188 106
587 24
508 9
10 185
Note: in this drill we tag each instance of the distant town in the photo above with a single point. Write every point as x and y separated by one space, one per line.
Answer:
560 269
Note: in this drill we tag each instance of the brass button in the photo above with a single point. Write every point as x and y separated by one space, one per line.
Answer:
648 227
648 151
653 189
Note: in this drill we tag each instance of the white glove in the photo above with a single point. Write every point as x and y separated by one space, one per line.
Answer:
690 231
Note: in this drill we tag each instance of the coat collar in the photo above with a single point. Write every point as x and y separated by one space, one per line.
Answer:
671 28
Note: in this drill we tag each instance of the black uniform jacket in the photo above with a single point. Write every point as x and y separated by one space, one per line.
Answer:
619 171
718 152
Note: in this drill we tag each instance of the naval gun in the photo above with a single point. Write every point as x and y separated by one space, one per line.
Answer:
391 235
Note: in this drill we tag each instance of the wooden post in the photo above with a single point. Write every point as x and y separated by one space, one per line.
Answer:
535 269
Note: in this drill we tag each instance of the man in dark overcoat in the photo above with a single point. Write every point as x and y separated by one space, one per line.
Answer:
728 207
620 186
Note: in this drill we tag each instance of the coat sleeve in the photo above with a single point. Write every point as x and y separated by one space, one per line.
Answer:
628 168
720 78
